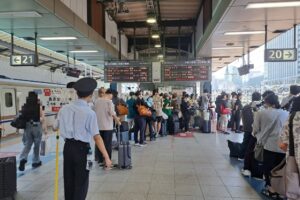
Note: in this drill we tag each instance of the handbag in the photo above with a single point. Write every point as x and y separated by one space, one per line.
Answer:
144 111
285 178
18 122
259 147
122 110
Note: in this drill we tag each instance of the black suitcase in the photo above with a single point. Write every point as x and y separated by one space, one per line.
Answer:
8 177
257 170
173 127
206 126
198 121
124 150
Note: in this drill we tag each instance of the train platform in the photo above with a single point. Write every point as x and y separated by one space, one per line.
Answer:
196 167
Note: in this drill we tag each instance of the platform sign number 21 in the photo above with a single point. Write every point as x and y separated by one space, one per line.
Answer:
22 60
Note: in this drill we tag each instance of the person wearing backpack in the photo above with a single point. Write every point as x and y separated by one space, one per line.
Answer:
287 102
238 150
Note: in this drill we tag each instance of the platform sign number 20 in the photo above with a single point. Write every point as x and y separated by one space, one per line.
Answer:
280 55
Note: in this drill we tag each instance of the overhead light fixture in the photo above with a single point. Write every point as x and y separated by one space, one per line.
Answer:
21 14
84 51
244 33
157 46
226 48
155 35
273 4
58 38
160 56
151 18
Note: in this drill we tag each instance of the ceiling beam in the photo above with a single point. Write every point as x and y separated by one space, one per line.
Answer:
166 23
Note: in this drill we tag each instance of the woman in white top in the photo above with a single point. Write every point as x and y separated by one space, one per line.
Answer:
157 106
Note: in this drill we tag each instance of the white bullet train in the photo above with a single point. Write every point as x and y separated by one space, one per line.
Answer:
13 94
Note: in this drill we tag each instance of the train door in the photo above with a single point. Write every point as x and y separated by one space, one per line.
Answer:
7 110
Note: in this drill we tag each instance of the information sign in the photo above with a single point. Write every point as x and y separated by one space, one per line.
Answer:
186 71
130 71
280 55
23 60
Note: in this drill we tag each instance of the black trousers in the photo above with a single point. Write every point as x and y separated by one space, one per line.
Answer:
186 120
76 177
237 120
249 153
271 160
139 126
107 140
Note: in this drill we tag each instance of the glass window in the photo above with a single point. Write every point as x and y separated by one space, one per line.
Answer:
8 100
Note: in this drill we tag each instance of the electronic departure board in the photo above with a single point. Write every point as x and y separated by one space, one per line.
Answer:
127 72
186 71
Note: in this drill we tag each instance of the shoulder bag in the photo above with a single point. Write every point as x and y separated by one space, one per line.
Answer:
259 147
144 111
122 110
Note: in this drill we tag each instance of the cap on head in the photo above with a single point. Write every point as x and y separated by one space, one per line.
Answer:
70 84
85 86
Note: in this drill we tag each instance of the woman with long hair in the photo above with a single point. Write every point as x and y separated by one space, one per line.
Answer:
33 114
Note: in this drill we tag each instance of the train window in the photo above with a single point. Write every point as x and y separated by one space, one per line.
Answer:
8 100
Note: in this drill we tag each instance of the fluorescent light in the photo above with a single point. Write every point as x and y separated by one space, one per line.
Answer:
226 48
244 33
151 20
155 36
84 51
58 38
273 4
160 56
26 14
157 46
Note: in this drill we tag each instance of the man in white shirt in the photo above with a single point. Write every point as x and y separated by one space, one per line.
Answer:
106 114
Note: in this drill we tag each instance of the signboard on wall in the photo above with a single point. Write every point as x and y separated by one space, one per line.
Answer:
156 72
280 55
196 70
127 71
23 60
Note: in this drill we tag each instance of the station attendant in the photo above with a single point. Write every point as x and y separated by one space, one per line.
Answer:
78 124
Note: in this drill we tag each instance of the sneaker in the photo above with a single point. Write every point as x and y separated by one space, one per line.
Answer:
245 172
22 164
38 164
136 144
240 159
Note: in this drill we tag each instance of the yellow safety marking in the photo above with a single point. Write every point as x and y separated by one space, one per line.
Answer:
56 168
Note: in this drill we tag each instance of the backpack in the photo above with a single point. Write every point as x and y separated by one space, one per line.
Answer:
288 106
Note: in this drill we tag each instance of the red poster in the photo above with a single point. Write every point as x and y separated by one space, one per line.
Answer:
47 92
55 108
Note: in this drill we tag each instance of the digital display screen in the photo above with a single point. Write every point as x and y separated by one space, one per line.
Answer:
127 72
193 71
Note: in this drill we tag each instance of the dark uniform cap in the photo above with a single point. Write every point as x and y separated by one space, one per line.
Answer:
85 85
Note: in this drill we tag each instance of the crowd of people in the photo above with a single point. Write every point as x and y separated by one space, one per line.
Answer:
266 126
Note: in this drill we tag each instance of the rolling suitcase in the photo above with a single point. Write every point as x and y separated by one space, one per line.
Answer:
206 126
124 150
163 129
8 177
173 124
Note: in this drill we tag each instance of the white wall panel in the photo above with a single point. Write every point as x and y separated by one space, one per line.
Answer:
79 7
111 30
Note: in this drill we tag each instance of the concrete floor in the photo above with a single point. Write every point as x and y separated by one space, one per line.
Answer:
170 168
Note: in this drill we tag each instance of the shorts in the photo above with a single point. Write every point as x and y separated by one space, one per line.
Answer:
158 118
